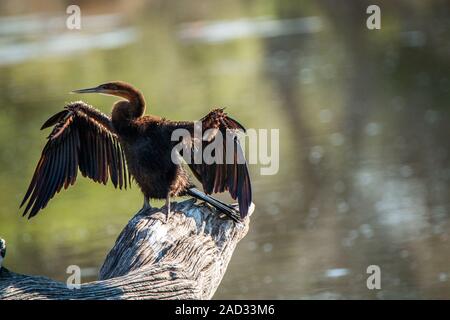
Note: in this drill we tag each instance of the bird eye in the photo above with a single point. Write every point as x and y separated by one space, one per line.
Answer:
108 86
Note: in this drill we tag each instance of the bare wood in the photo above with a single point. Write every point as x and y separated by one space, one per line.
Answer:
185 258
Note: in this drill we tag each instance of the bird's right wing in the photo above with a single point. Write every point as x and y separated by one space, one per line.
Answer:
82 138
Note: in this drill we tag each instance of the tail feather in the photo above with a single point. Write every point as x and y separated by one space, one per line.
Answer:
221 206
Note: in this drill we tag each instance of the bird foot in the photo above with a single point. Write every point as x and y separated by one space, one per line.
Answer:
166 210
145 209
163 215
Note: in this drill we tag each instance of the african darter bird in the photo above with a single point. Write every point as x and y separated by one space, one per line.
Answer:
130 143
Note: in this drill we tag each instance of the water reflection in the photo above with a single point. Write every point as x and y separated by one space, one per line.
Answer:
221 31
364 165
51 39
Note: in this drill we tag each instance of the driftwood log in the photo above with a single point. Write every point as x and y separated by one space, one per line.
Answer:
184 258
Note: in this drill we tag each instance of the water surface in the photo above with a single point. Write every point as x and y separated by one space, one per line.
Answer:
364 124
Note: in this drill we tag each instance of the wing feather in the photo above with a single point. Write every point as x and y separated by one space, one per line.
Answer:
220 177
82 138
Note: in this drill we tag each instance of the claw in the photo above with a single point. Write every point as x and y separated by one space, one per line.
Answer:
167 208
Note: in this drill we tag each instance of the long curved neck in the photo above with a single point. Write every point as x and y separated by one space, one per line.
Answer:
136 102
127 110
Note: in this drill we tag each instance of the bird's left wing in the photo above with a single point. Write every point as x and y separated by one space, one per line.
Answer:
82 138
231 171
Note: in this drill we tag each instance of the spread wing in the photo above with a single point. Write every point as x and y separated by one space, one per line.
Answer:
82 138
231 171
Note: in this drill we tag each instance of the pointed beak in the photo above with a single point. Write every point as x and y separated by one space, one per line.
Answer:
89 90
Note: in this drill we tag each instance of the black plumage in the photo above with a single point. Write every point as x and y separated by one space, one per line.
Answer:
130 144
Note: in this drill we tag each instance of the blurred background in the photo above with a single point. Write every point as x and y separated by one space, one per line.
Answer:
364 123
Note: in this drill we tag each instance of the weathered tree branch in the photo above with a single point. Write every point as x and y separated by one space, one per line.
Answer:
184 258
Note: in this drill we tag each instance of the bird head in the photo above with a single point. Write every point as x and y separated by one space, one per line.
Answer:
114 88
134 108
